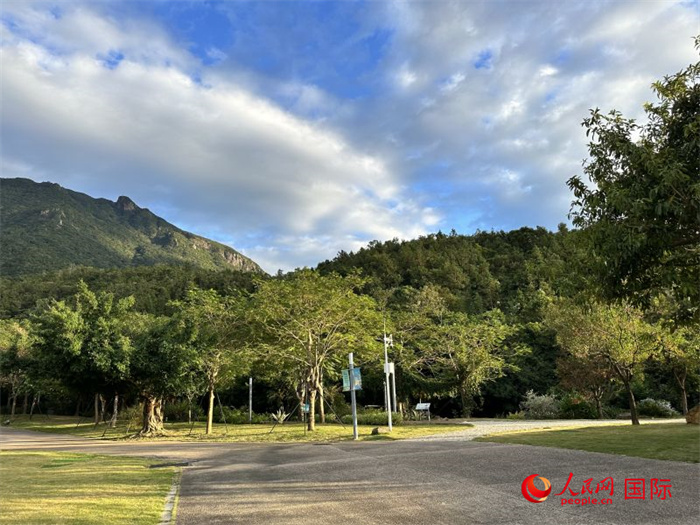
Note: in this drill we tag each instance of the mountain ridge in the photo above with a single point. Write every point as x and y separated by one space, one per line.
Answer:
46 227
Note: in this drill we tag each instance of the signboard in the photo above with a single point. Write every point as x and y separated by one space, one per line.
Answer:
357 379
423 406
306 408
388 368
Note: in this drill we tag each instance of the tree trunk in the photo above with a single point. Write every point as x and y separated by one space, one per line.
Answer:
31 410
210 410
97 408
113 421
152 417
680 379
103 408
321 408
25 404
312 410
466 401
599 407
77 407
633 405
14 402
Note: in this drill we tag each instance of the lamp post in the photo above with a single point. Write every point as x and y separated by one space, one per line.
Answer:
250 400
387 341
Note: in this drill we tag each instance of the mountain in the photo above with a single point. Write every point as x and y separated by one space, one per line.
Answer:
45 227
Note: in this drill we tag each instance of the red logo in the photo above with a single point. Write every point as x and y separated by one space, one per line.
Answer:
532 493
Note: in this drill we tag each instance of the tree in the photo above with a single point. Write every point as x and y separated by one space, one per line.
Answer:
588 375
642 213
16 341
471 351
83 342
680 351
161 366
306 320
616 335
214 328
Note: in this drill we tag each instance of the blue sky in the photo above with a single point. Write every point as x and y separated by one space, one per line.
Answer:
293 130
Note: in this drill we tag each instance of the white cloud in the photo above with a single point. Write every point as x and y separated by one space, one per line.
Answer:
225 160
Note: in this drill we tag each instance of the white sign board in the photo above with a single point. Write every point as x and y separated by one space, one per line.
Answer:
423 406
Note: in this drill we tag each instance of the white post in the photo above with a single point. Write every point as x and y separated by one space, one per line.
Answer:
250 400
393 384
353 402
386 374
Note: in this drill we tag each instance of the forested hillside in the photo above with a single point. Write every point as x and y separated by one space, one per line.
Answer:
46 227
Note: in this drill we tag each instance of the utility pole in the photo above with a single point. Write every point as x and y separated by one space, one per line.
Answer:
392 369
353 401
250 400
387 341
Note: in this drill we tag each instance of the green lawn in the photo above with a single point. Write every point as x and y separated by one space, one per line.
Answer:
289 432
669 441
79 489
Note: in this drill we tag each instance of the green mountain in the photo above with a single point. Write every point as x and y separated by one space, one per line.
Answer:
45 227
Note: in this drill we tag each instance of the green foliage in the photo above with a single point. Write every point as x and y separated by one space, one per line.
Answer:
656 408
153 287
46 227
373 417
574 406
238 416
641 213
181 410
538 406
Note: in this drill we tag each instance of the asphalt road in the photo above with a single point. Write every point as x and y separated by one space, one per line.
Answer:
405 482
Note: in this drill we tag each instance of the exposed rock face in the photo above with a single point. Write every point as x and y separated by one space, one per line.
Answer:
126 204
693 416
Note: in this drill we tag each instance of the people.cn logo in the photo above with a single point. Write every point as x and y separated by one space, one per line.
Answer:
534 494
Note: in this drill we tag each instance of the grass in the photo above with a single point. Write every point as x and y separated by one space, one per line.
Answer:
79 489
670 441
289 432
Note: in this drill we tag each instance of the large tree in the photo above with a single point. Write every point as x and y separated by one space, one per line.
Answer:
214 327
614 335
306 321
642 210
83 342
470 352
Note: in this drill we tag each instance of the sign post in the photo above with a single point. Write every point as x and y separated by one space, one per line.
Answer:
387 341
353 401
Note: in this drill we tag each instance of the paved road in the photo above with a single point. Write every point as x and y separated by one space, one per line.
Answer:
405 482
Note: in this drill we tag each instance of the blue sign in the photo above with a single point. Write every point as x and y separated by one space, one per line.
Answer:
357 379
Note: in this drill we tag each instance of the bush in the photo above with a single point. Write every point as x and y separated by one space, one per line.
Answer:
238 416
536 406
133 416
516 415
656 408
178 411
575 407
373 417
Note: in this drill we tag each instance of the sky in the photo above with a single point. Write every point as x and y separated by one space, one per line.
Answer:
294 130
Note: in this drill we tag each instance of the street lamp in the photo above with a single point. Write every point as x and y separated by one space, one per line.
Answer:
388 341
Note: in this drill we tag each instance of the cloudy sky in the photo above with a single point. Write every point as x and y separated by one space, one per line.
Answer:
293 130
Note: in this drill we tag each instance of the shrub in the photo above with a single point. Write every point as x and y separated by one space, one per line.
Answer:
373 417
516 415
178 411
656 408
133 416
238 416
573 406
536 406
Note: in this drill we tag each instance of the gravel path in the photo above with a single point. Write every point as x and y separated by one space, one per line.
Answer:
485 427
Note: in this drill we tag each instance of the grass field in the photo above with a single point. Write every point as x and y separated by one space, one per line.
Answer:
40 488
672 441
289 432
